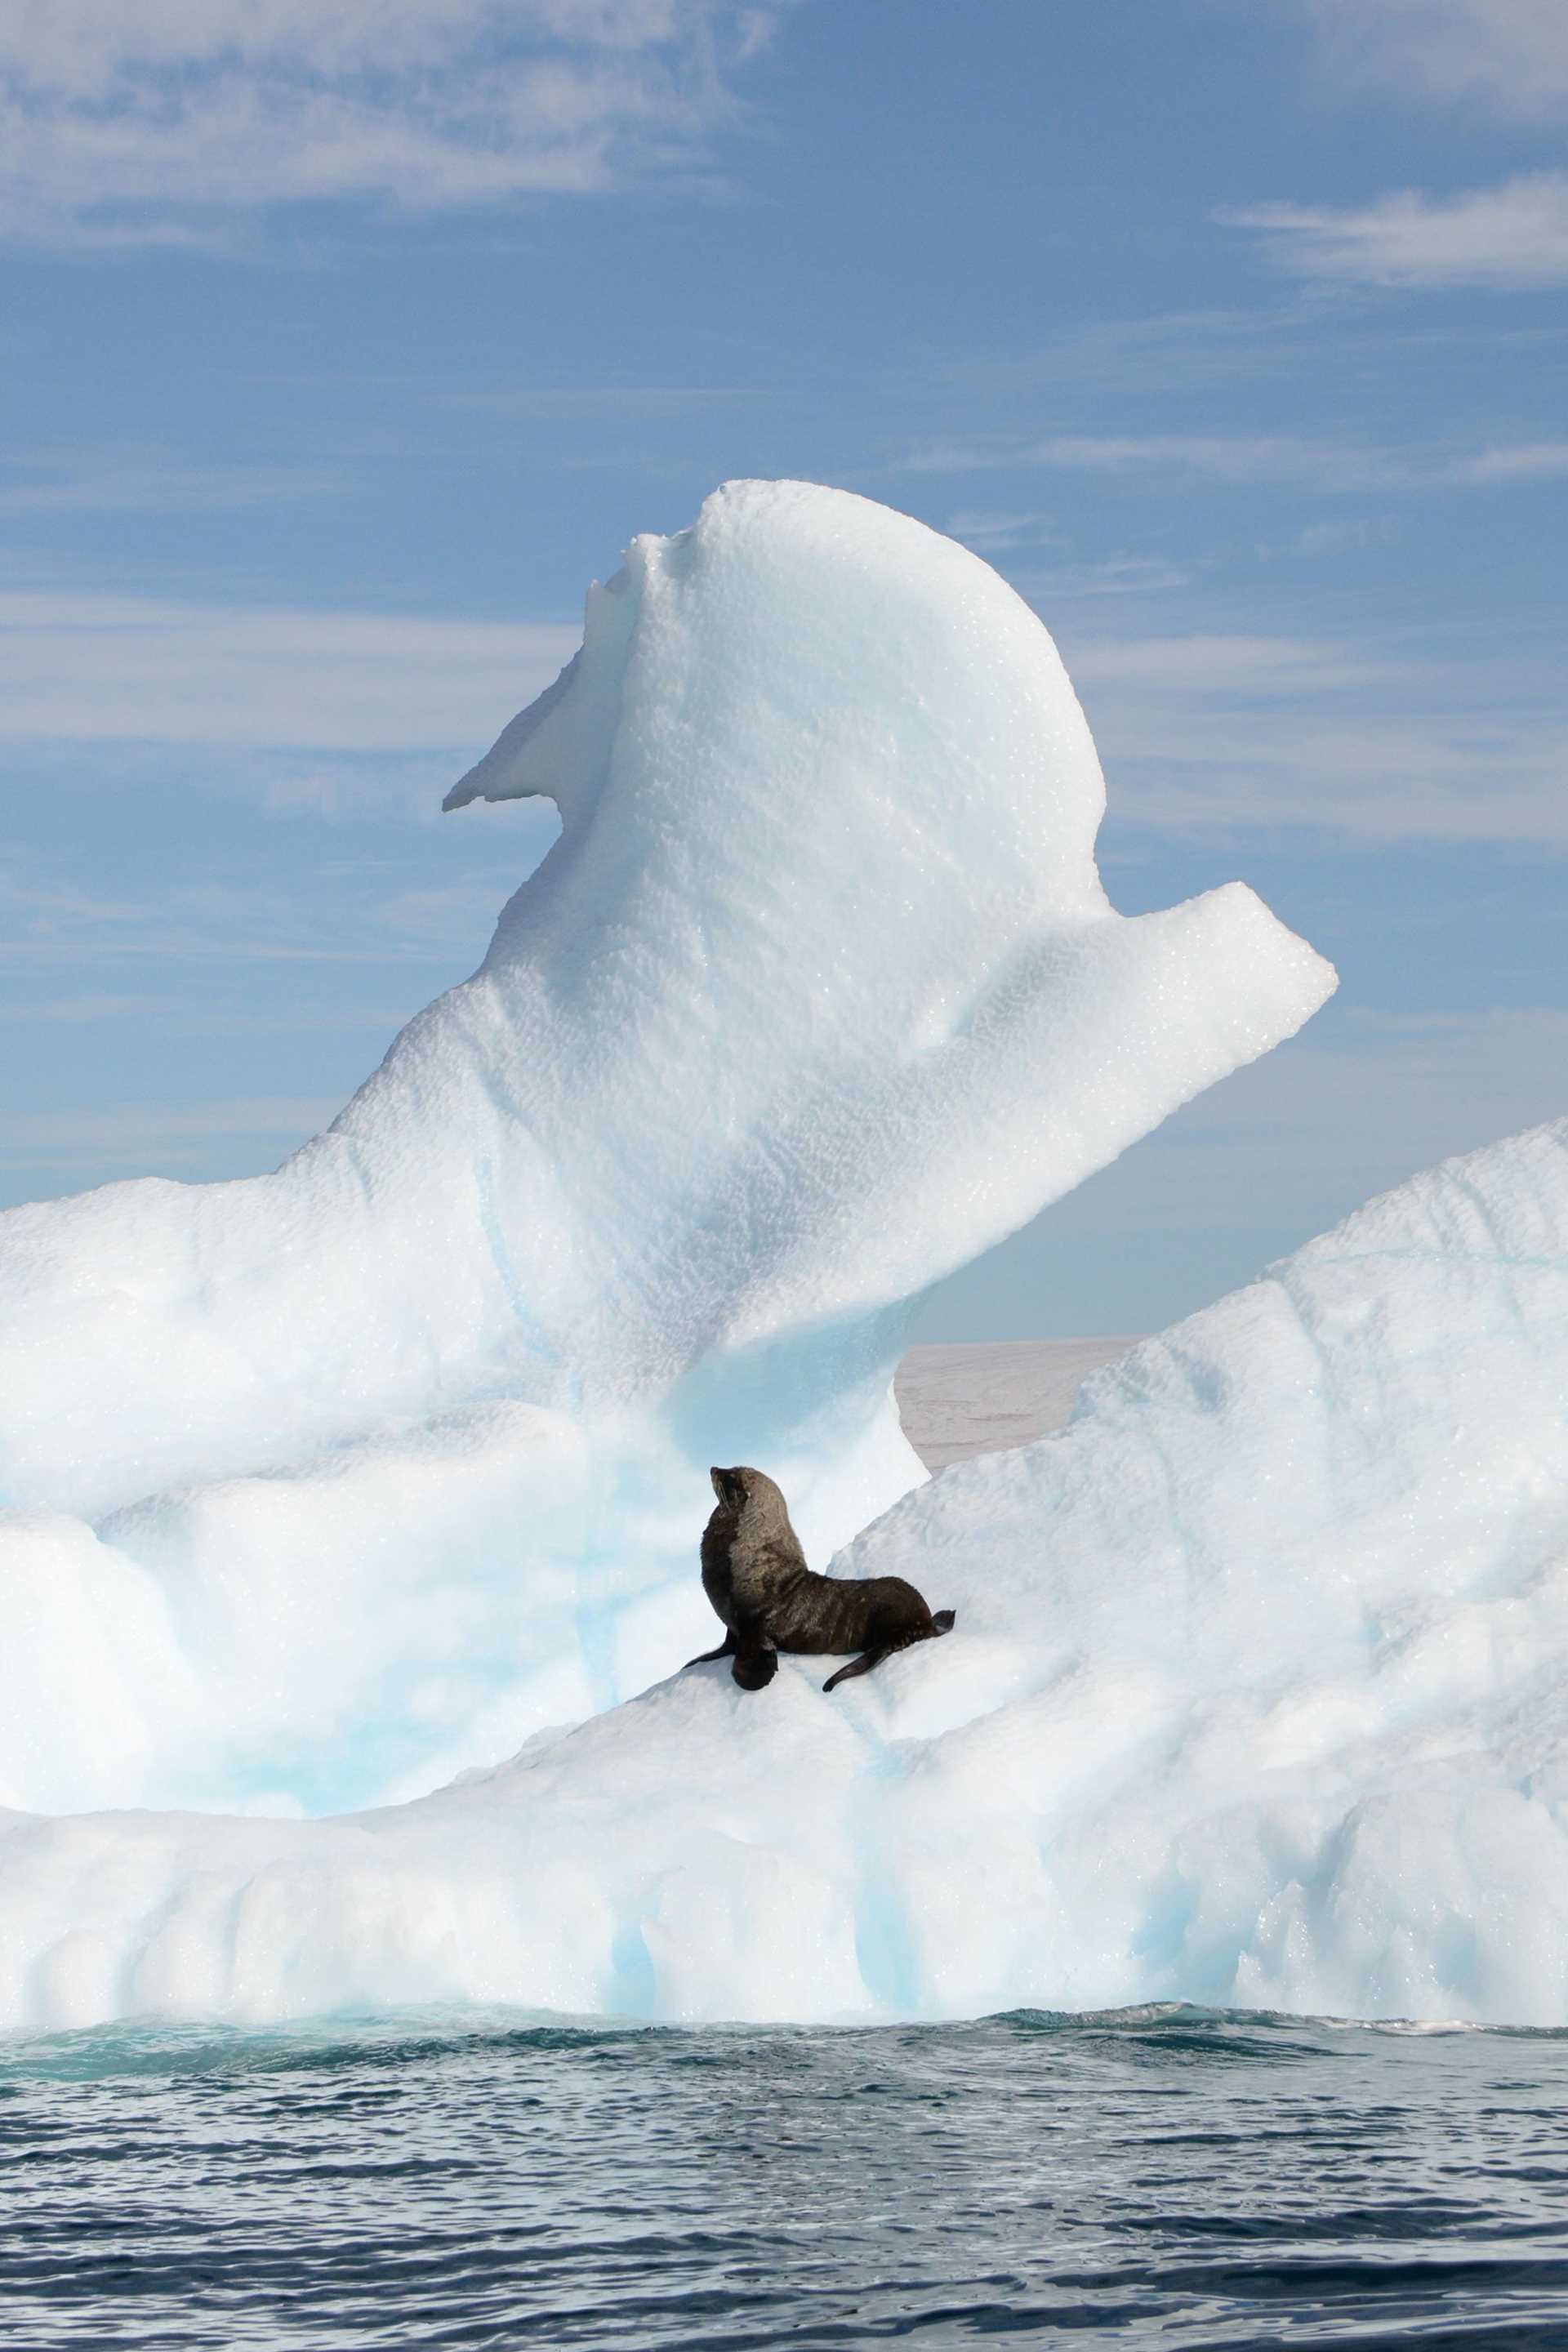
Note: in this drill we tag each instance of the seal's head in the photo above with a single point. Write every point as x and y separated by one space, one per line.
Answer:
750 1495
730 1485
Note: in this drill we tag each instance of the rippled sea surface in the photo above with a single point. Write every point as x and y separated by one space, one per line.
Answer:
1166 2177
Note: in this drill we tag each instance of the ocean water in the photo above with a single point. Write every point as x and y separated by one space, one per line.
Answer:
1168 2177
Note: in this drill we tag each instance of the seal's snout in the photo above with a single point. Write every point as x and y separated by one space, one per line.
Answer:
734 1487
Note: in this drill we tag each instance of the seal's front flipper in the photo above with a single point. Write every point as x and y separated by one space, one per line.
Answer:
755 1669
726 1649
944 1620
860 1665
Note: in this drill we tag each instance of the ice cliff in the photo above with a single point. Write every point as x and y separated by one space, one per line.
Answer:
1258 1695
323 1485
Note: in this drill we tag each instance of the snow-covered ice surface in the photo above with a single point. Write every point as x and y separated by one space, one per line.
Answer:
965 1397
326 1484
1259 1696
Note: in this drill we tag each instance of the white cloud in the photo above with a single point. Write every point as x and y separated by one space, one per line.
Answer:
993 531
383 1021
1348 535
1251 734
1000 533
178 1013
71 955
1166 460
170 120
1359 1102
127 1133
1170 348
150 477
1262 458
1514 236
1534 461
1116 575
1373 777
1415 1086
1511 56
82 1009
1178 462
1236 665
599 403
85 667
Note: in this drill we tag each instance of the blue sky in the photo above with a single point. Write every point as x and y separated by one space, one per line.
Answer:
342 348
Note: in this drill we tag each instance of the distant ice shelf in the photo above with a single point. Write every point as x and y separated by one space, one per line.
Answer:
981 1396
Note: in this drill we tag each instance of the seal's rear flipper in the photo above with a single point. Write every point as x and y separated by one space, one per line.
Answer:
861 1666
944 1620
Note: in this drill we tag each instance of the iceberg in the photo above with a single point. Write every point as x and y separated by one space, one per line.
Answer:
1257 1697
319 1485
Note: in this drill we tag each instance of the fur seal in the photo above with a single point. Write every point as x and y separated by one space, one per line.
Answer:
756 1575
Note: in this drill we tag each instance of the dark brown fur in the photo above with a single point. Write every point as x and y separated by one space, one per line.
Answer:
756 1575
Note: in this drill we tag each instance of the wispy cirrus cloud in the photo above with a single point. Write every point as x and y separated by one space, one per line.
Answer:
1177 462
1161 460
1253 736
191 1019
1250 734
1002 534
348 912
1238 664
92 667
1527 461
80 1010
1509 56
1361 1100
1514 236
1505 59
173 123
158 1134
599 403
143 475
